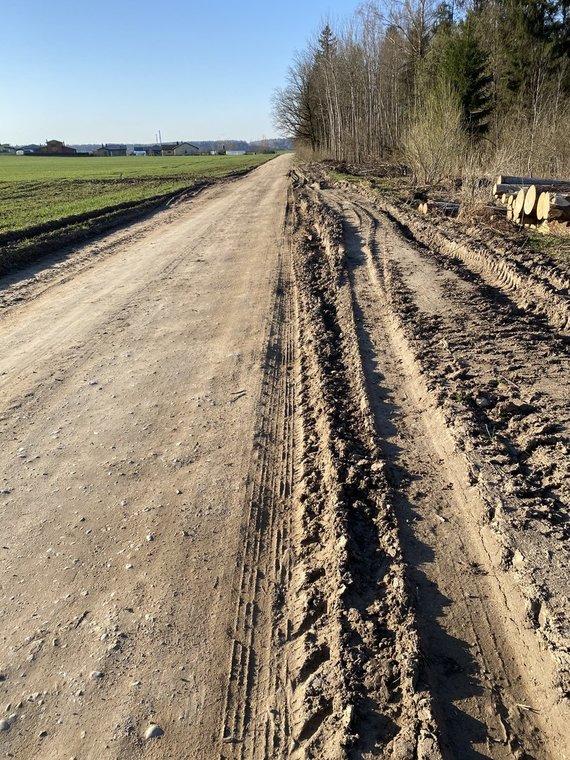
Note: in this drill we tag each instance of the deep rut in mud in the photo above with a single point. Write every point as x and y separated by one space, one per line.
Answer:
466 638
482 662
401 590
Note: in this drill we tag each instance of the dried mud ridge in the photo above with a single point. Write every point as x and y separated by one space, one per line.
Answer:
536 284
513 427
354 633
403 588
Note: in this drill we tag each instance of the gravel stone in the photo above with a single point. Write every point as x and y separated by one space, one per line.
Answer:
153 731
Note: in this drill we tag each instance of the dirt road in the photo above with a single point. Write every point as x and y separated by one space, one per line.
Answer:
130 379
288 478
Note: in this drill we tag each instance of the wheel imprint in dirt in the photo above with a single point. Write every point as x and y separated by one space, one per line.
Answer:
338 648
255 721
503 725
350 553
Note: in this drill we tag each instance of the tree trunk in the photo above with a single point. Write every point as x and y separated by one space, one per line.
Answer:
552 206
508 180
499 188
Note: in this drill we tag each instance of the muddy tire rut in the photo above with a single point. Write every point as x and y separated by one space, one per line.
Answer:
476 659
424 636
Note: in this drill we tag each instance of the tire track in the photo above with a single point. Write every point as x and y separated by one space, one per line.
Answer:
488 677
373 598
501 382
538 288
253 723
354 650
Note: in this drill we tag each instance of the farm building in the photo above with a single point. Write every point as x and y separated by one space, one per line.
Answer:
27 150
167 149
56 148
7 150
179 149
111 150
186 149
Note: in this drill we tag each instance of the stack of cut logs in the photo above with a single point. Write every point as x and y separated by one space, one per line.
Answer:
444 208
543 204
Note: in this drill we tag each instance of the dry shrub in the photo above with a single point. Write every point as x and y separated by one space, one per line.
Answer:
475 190
435 143
534 141
305 152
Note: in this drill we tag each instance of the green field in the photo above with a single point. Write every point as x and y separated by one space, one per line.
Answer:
37 190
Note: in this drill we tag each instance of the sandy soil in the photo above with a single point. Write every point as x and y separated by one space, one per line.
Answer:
130 378
285 473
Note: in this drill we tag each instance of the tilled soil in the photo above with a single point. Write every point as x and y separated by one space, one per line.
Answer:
285 473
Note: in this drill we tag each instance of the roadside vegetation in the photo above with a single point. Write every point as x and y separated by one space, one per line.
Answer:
34 191
447 90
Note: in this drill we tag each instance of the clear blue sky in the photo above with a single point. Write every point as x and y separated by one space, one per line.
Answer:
104 71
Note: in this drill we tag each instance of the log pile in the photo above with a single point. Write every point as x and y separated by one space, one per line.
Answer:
542 204
443 208
451 208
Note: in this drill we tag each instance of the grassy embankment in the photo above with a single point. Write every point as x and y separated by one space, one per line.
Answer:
34 191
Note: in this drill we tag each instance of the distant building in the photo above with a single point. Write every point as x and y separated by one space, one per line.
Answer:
179 149
235 152
7 150
110 150
186 149
27 150
167 149
56 148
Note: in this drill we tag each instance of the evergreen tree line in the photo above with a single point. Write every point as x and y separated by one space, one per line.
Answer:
436 84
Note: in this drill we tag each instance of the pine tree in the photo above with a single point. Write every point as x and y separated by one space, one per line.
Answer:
327 44
467 71
457 58
536 37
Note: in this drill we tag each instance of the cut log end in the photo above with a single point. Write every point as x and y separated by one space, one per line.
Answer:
530 200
